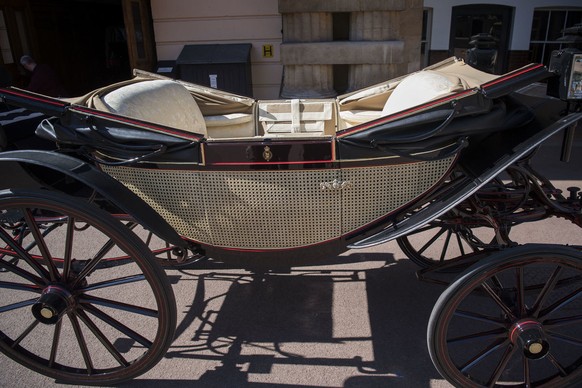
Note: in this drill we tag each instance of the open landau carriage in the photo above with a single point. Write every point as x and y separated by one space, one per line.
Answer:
152 172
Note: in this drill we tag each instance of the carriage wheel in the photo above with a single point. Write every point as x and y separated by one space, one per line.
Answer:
82 299
512 319
444 239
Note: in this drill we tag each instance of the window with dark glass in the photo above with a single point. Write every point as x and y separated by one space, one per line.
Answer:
549 32
480 35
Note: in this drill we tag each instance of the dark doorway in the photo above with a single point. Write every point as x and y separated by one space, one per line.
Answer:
83 40
480 34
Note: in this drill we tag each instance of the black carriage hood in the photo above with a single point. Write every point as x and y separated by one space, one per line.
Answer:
114 143
491 107
118 139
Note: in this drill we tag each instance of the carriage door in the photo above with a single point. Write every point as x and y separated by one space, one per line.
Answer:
140 36
480 34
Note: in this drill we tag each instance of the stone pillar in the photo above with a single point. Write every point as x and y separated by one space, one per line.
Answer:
307 80
384 43
372 26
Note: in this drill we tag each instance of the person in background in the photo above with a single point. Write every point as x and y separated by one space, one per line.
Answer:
43 79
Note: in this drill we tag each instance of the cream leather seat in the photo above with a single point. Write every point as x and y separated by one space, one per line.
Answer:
422 87
162 102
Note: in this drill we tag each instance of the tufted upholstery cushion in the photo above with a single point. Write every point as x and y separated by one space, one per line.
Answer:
161 102
421 87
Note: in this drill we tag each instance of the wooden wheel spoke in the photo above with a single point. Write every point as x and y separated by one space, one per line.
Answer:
560 303
550 357
39 282
460 243
41 244
564 321
22 254
496 333
471 363
432 240
82 343
526 372
25 333
67 258
55 342
18 305
422 229
520 291
509 352
446 246
480 317
119 306
102 338
93 262
498 301
117 325
566 338
113 282
548 287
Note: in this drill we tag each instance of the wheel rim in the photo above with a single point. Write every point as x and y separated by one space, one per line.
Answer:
81 297
512 321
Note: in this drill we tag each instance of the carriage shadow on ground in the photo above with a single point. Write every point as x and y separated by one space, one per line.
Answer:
361 323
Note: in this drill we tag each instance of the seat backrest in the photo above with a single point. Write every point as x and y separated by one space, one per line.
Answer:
161 102
422 87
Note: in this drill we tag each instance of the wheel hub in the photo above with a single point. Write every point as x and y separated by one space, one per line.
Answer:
53 303
530 336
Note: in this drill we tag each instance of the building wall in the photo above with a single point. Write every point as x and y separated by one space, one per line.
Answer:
182 22
519 45
371 56
261 22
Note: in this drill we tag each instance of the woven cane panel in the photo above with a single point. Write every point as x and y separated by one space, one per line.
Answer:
377 191
251 210
280 209
175 195
277 209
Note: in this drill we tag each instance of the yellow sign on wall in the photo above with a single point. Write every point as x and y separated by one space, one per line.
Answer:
267 51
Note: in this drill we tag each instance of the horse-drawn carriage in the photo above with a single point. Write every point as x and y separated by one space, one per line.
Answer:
153 172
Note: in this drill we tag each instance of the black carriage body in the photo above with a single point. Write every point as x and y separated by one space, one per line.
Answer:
298 194
277 184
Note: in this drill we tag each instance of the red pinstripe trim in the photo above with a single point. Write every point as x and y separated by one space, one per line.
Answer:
511 75
32 96
135 122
